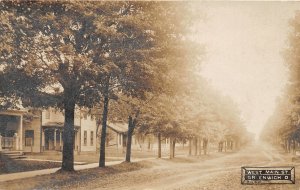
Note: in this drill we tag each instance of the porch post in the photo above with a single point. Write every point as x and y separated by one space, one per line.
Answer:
118 140
0 143
123 148
54 139
17 141
79 140
122 140
60 139
76 140
21 133
43 140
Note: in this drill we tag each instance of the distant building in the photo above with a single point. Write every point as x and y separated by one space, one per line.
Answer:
39 131
117 135
117 138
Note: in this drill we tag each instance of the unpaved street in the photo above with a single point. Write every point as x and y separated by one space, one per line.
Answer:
217 173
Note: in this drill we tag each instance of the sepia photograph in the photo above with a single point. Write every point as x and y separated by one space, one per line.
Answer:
149 95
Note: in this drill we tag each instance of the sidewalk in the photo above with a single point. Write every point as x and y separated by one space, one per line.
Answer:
21 175
58 161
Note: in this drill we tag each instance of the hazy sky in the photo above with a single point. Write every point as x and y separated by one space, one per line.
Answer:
244 42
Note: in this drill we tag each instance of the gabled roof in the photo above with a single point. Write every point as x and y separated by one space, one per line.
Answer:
118 127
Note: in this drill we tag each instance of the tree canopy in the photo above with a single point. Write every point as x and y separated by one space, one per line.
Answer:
138 59
283 126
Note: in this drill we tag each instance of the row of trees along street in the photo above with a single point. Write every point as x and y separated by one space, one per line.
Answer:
134 62
282 128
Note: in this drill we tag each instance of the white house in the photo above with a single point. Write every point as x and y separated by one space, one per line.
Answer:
39 131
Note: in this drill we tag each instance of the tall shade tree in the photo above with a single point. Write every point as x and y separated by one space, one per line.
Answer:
141 39
129 68
283 127
69 55
53 64
8 42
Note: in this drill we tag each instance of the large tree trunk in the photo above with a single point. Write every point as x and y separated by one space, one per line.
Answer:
294 147
286 146
131 126
205 141
289 146
68 134
159 145
104 123
173 152
196 146
171 147
129 138
149 143
199 146
190 146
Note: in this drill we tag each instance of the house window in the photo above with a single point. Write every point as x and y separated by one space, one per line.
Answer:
92 138
85 138
85 116
29 136
47 114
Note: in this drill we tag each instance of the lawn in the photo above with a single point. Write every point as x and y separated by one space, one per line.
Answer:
73 180
8 165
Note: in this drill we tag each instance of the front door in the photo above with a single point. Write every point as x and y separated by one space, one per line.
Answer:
49 139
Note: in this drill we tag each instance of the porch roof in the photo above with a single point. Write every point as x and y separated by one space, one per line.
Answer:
13 112
56 124
118 127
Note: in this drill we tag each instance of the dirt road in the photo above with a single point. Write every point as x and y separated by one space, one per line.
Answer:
221 173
